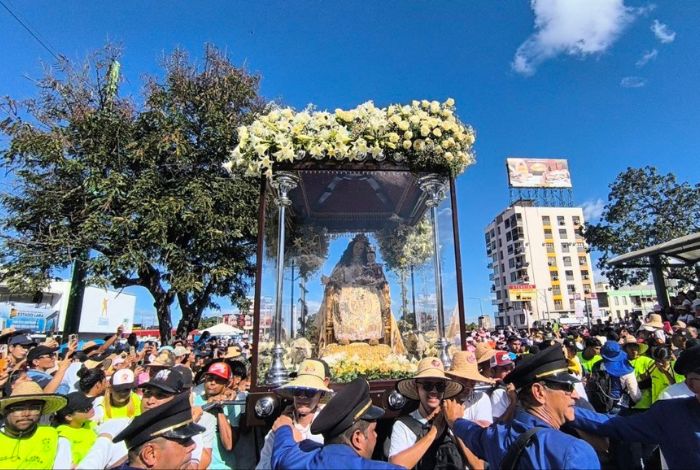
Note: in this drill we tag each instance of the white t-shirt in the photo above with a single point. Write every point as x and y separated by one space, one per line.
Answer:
104 453
478 407
204 440
64 458
265 462
499 402
402 437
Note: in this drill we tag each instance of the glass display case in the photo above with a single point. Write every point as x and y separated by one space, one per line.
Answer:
347 271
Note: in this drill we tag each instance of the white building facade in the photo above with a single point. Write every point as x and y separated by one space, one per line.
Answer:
540 246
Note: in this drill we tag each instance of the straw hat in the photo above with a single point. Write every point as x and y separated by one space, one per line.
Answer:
104 364
655 322
232 352
310 376
428 368
164 358
629 339
465 366
31 391
484 352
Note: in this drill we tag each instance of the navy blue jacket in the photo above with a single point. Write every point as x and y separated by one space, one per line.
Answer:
287 455
673 424
550 448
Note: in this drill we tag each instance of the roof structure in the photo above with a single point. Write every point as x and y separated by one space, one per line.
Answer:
679 251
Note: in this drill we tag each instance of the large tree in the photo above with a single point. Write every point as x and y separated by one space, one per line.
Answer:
644 208
136 193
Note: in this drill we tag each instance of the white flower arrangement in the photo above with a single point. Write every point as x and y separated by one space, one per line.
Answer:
424 135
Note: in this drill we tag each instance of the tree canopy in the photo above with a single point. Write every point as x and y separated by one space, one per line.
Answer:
644 208
137 193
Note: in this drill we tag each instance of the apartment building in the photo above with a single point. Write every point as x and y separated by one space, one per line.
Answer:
539 246
616 304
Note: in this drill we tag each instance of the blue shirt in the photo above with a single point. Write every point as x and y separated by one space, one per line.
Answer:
220 457
673 424
287 454
550 448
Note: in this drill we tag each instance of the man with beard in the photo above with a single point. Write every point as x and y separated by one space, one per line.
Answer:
533 438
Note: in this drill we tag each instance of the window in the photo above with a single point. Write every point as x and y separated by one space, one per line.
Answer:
498 295
624 301
617 301
560 220
582 261
564 247
511 263
558 305
513 277
556 290
572 304
551 261
562 234
510 249
509 237
550 247
577 220
585 275
548 233
545 220
567 260
507 223
570 288
498 229
554 275
569 275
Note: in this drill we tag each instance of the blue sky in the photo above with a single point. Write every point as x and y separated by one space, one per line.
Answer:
605 83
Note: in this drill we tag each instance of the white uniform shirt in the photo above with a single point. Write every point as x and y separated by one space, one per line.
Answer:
402 437
477 407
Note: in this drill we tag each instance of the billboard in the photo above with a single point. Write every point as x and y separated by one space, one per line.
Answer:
522 292
104 310
538 173
38 318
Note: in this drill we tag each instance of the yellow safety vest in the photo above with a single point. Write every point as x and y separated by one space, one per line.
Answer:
81 440
37 451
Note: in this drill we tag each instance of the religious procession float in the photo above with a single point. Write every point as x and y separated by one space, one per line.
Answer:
358 254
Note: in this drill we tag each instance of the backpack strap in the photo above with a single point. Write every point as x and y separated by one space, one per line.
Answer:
510 461
413 424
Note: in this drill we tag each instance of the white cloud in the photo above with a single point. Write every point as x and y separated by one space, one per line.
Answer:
573 27
633 82
592 210
662 32
646 57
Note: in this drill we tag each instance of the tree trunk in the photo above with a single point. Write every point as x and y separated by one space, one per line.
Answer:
162 305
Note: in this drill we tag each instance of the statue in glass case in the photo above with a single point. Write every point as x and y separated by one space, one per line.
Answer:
356 301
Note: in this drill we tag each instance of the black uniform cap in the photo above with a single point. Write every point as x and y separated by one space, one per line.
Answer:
348 406
172 420
548 364
688 361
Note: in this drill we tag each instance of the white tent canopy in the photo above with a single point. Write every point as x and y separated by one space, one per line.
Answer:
223 329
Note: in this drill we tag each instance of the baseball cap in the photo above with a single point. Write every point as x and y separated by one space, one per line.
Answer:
123 379
77 401
37 352
168 380
501 358
220 369
24 340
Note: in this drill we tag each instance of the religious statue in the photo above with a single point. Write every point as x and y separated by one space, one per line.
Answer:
356 301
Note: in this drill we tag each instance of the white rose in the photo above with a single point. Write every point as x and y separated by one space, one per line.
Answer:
406 144
425 131
437 132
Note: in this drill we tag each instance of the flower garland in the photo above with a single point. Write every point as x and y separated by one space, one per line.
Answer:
426 135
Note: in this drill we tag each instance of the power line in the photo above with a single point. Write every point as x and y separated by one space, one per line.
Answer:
29 30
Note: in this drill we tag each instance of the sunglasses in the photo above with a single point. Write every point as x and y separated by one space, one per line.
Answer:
157 394
563 386
430 386
304 393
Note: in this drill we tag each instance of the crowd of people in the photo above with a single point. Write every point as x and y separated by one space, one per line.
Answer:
612 395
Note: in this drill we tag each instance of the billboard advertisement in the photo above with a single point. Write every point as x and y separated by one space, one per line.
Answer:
104 310
38 318
538 173
522 292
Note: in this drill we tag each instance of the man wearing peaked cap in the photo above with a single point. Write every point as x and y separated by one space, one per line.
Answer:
348 425
162 436
546 395
672 424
